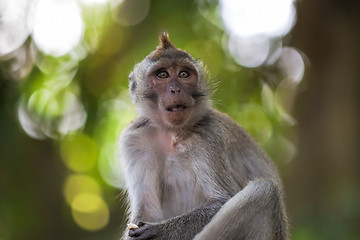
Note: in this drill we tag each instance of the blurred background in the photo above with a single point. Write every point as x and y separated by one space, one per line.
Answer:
287 70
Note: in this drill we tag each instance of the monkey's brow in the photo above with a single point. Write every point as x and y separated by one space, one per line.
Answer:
157 70
163 65
188 68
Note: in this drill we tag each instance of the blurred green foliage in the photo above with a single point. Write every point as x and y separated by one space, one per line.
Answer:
60 117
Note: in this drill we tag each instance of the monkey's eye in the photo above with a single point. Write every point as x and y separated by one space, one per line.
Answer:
183 74
163 74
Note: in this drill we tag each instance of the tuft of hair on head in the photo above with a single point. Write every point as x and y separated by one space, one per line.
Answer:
165 41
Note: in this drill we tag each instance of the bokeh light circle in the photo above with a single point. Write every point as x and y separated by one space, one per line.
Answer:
248 18
14 27
291 64
79 152
94 2
249 52
58 26
90 211
80 183
116 114
130 12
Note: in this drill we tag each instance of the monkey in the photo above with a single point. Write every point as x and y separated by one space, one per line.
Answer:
191 172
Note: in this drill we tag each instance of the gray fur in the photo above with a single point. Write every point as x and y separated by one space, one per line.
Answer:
205 178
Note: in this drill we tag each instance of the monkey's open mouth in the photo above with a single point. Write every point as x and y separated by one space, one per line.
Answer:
176 108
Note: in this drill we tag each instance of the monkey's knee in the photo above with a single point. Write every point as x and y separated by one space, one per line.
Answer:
262 188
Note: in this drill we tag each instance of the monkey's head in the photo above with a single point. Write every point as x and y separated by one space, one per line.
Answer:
169 87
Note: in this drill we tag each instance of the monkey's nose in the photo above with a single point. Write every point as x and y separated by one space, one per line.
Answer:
174 87
175 90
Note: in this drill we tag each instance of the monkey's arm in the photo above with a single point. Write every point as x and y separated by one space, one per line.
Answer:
184 227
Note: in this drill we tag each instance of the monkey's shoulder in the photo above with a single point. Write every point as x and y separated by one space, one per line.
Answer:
222 131
139 123
133 130
136 126
219 123
228 137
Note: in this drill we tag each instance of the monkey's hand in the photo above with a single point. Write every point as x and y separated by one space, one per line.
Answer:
146 231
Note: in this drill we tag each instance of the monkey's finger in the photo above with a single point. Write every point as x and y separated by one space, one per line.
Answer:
144 233
131 226
140 224
133 233
136 232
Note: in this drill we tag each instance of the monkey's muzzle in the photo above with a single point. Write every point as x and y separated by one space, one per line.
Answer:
176 108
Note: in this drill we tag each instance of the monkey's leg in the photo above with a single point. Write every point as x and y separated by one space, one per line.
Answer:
254 213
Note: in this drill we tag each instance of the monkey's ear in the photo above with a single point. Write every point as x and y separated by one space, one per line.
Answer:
165 41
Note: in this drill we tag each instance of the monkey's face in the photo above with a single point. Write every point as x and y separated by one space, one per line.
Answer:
172 88
169 86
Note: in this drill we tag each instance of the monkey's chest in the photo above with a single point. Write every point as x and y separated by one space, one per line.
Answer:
181 189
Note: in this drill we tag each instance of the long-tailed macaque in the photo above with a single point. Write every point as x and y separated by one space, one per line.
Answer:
191 172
